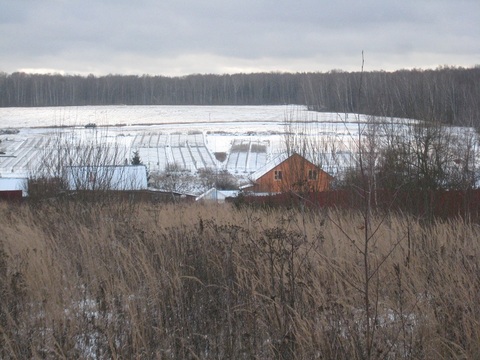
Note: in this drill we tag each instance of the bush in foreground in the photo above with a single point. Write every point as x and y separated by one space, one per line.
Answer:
100 280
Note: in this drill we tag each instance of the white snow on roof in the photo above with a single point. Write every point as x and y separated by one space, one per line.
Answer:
327 167
269 166
216 195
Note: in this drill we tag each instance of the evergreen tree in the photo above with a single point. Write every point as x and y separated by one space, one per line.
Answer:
136 158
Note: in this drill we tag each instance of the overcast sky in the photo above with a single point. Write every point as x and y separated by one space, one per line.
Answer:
180 37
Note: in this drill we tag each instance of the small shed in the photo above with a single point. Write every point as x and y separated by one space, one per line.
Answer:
218 196
109 177
289 173
13 188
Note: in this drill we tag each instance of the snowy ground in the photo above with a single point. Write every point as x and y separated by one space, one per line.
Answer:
188 137
179 116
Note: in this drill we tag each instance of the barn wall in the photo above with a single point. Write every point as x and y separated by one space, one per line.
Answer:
9 195
425 204
295 172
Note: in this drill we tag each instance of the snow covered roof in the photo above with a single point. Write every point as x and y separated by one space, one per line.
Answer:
269 166
274 163
214 194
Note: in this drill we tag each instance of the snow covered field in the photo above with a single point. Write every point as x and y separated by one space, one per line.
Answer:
240 139
179 116
185 136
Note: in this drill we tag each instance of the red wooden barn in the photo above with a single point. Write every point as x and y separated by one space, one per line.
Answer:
289 173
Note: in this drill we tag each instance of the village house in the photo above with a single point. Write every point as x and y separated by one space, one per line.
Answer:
288 173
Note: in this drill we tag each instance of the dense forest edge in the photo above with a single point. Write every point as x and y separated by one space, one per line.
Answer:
447 95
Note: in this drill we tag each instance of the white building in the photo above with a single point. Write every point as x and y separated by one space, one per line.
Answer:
14 184
114 177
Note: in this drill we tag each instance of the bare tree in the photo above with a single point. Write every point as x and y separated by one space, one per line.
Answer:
93 159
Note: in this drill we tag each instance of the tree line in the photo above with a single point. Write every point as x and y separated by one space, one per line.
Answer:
448 95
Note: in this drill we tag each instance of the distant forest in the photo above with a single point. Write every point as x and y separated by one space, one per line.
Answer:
448 95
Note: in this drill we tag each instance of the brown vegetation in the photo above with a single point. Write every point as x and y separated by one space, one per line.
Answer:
124 280
220 156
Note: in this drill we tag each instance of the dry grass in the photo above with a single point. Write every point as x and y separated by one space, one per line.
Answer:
116 280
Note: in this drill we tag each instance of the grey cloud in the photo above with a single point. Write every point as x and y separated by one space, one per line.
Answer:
283 32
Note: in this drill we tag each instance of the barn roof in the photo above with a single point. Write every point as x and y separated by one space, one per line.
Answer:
269 166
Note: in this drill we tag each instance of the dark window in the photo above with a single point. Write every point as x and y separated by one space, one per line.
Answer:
278 175
312 174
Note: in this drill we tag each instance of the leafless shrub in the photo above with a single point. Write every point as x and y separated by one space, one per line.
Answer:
220 179
220 156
